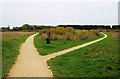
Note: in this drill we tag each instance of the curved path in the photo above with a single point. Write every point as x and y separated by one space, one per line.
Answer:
30 64
53 55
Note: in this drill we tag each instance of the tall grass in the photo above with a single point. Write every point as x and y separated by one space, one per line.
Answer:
68 33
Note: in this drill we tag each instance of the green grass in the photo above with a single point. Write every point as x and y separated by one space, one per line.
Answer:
0 54
97 60
10 49
58 45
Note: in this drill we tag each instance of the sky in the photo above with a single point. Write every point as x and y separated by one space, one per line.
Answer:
54 12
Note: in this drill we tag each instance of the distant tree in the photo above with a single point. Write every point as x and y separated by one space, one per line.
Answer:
116 26
8 27
25 25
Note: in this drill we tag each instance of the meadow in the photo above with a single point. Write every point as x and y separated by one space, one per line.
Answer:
0 54
63 38
11 42
97 60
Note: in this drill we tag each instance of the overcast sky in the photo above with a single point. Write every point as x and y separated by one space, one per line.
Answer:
54 12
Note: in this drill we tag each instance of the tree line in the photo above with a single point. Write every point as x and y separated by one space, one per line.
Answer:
27 27
89 27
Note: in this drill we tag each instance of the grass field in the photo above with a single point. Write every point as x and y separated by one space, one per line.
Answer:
97 60
0 54
11 42
57 45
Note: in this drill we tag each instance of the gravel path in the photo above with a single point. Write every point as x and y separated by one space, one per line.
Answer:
30 64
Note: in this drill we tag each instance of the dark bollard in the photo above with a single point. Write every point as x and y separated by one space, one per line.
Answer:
48 38
47 41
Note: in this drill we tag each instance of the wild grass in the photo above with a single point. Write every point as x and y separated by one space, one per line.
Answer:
11 42
7 36
0 55
97 60
61 33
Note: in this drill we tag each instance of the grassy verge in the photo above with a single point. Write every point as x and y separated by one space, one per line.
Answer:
57 45
97 60
0 55
10 49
